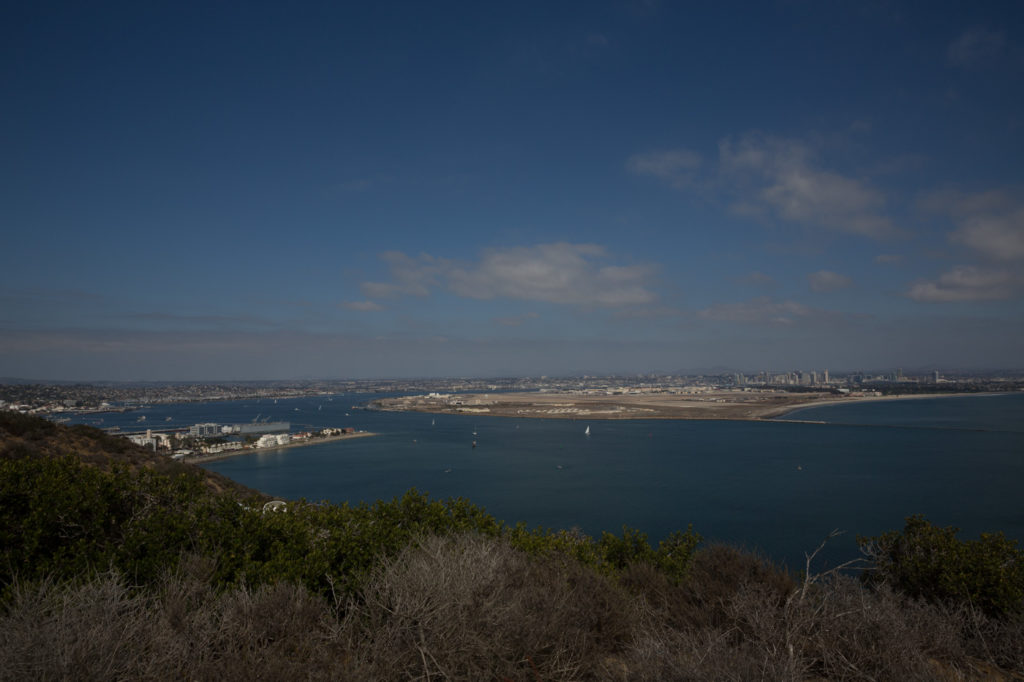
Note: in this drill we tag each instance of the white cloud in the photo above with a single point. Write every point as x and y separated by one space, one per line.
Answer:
966 283
362 305
975 46
553 273
761 310
991 222
677 167
781 176
767 175
1000 237
412 276
824 281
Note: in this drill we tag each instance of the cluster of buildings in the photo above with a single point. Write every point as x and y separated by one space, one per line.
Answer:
247 429
212 439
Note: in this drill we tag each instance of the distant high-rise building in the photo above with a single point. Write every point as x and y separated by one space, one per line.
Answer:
935 376
826 376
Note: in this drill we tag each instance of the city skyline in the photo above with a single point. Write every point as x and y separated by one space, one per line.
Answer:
404 190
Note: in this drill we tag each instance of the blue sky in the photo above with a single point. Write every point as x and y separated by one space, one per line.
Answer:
270 190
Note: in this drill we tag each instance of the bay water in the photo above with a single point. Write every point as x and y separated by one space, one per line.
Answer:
776 487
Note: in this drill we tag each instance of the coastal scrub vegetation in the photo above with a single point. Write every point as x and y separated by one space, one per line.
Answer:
115 564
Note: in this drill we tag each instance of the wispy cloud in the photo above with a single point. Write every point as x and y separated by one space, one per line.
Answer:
515 320
575 274
991 223
764 175
783 177
761 310
824 281
226 321
677 167
1000 237
411 276
363 306
759 279
967 283
554 273
975 46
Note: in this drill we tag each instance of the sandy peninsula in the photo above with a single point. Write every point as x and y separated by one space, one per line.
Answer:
706 405
711 404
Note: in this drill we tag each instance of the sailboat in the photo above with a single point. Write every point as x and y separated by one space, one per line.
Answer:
586 432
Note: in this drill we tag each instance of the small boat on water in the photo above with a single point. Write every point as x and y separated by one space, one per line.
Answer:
586 432
474 444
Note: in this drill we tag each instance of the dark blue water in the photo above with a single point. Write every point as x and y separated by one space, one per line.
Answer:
998 412
774 486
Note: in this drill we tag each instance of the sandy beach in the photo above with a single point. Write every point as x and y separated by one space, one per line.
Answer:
199 459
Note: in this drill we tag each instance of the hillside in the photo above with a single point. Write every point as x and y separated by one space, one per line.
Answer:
117 564
27 436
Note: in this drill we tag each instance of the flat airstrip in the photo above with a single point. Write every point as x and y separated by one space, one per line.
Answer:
712 404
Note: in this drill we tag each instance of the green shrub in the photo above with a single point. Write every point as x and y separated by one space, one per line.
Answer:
930 562
60 518
26 425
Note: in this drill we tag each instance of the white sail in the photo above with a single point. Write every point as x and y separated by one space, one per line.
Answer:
587 432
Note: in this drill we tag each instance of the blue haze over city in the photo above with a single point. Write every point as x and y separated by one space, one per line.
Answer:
277 191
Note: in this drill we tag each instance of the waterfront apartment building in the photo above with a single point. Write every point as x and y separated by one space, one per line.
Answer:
204 430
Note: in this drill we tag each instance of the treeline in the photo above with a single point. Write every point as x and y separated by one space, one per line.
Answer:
131 570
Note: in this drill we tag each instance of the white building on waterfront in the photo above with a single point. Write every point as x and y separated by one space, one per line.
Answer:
273 439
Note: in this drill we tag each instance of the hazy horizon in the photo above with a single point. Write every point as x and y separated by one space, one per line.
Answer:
705 371
407 189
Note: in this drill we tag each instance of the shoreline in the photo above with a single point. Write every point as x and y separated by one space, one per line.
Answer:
527 406
192 459
876 398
